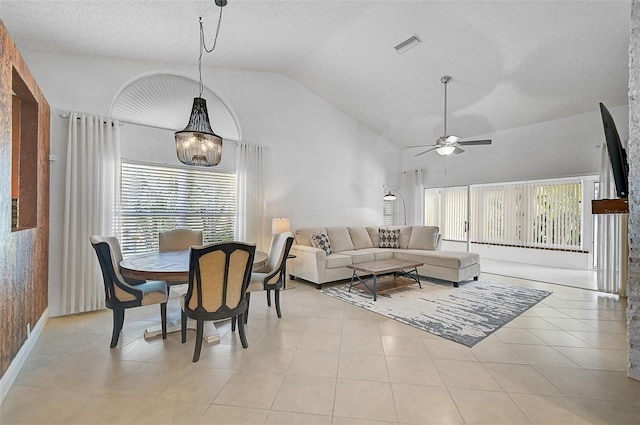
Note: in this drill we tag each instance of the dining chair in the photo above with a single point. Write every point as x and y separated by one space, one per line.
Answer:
218 278
122 293
274 277
179 239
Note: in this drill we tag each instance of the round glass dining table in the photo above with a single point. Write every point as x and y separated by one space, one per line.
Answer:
172 267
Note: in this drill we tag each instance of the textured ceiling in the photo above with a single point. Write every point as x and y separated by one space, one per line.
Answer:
513 63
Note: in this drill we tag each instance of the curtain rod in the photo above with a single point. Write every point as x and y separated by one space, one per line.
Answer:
121 123
66 116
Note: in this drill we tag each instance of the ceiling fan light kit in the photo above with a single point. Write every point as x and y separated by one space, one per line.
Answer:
448 144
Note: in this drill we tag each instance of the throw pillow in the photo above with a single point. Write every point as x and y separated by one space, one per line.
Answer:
424 237
389 238
321 241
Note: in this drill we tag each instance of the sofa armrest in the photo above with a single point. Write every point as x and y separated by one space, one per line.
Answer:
305 250
309 263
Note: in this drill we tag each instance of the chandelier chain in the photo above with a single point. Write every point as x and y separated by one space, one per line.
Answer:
203 47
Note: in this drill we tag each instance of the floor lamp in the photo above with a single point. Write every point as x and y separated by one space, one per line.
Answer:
390 196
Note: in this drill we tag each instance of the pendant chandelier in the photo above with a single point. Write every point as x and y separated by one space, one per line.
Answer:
197 144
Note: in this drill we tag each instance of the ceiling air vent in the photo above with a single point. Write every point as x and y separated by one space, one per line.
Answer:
410 42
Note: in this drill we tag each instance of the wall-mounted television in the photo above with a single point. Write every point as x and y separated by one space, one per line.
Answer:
617 154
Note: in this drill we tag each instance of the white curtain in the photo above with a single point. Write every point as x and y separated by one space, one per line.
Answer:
611 249
413 191
91 200
251 200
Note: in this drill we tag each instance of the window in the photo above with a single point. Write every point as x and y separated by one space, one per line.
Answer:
536 214
447 209
155 199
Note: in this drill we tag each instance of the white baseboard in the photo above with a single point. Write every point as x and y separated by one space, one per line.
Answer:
16 364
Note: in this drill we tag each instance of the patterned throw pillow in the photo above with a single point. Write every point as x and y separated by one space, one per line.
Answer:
389 238
321 241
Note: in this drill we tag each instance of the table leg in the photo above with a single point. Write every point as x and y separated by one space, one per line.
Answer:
352 277
375 287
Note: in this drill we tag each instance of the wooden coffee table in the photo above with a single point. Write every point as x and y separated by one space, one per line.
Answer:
382 267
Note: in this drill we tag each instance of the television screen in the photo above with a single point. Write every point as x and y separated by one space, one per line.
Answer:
617 154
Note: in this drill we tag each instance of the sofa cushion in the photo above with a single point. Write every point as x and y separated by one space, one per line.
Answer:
321 241
424 237
360 237
374 236
448 259
335 261
389 238
340 239
380 253
303 234
359 256
405 235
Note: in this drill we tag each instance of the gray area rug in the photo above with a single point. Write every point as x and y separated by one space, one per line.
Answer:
466 315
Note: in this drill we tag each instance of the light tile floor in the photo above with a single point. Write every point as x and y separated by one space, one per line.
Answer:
327 362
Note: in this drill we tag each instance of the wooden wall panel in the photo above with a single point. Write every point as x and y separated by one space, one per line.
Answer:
24 255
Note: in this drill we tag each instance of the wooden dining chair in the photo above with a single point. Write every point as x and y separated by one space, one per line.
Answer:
122 293
218 278
273 279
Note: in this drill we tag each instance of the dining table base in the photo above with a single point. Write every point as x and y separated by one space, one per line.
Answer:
210 333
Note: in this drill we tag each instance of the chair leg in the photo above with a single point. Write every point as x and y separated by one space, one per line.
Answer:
118 321
199 332
268 298
243 335
277 300
183 326
163 318
246 313
233 323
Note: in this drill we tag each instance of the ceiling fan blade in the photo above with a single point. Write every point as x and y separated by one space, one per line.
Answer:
475 142
418 146
428 150
458 150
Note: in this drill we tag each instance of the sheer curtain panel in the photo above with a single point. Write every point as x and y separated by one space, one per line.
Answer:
413 191
251 201
90 207
611 237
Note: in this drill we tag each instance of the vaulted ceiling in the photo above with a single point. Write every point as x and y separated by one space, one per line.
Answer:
513 63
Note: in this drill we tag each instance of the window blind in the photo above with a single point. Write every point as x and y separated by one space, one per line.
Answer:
541 214
156 198
538 214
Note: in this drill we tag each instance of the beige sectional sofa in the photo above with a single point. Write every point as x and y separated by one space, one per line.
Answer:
359 244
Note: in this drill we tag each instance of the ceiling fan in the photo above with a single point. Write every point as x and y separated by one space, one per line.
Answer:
448 144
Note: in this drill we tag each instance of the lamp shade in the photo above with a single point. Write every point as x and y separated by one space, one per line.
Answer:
197 144
280 225
445 150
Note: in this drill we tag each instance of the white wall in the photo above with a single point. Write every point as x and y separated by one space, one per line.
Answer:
322 166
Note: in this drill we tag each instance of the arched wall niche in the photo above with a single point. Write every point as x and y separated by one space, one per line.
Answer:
164 100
